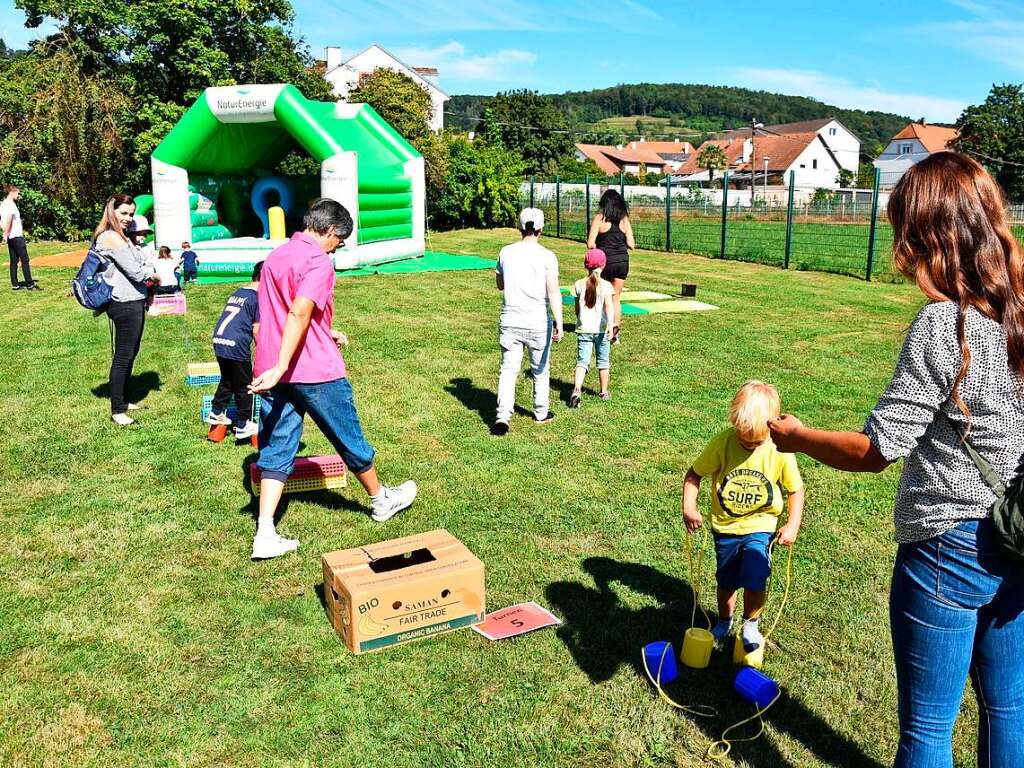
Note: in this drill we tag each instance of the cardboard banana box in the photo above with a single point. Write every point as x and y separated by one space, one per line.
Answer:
402 590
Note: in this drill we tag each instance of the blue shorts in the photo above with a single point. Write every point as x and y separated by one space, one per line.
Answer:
332 408
743 561
586 343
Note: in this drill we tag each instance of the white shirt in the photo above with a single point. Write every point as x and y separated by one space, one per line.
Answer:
525 268
165 268
592 319
8 208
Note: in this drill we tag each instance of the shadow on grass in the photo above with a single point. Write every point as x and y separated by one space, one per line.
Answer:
484 402
137 389
602 634
327 498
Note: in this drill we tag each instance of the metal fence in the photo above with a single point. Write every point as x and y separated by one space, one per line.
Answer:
844 231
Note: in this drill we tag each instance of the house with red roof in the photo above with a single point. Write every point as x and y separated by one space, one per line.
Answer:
652 156
841 140
912 145
768 159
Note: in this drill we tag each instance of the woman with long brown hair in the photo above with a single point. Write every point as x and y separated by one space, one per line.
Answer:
956 604
127 275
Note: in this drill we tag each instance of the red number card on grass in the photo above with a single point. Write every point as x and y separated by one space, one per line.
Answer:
516 620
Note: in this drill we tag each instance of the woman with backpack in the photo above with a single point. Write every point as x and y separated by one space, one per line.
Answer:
127 275
957 600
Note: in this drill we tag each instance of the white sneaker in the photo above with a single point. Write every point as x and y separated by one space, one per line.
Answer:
393 500
218 419
122 419
251 428
271 545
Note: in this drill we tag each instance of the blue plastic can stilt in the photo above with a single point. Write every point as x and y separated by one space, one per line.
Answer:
660 655
756 687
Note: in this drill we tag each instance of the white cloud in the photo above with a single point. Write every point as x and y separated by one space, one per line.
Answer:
992 30
457 63
840 92
444 16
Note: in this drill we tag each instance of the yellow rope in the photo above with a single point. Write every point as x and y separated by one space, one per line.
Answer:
785 591
699 710
695 582
719 749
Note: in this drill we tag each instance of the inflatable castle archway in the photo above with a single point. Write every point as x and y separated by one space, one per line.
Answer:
214 171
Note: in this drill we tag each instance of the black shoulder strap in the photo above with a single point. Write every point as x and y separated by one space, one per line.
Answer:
988 474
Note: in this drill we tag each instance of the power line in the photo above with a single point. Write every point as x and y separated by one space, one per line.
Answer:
991 159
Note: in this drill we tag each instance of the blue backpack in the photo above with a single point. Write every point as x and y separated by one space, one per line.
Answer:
90 286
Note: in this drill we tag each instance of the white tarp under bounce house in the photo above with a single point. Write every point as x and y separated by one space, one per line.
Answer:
213 177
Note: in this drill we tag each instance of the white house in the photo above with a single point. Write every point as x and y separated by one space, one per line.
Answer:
344 74
910 146
807 155
841 140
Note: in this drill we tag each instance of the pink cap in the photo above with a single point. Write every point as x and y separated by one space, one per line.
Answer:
594 259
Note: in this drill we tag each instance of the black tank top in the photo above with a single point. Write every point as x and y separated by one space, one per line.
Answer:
613 243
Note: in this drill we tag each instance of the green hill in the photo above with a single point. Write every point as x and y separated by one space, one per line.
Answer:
690 111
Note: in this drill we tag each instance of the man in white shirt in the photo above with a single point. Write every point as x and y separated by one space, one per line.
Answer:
12 233
527 276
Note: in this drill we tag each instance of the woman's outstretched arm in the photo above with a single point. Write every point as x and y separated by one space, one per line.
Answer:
846 451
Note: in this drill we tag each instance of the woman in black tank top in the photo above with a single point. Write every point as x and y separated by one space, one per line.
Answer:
612 233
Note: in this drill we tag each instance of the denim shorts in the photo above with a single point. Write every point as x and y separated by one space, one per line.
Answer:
331 406
743 561
585 345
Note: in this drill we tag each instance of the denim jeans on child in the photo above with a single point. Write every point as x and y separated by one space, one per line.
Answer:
538 343
585 345
333 410
957 610
743 561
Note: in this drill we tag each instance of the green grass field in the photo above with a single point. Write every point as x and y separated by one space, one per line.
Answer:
136 632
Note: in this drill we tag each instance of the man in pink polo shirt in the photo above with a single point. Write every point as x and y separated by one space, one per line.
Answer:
299 369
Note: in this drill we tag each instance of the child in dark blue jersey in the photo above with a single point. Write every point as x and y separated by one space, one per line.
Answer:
189 263
232 339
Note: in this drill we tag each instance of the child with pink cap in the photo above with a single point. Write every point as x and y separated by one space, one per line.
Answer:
595 314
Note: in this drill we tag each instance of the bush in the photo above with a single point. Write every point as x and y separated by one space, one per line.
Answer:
481 187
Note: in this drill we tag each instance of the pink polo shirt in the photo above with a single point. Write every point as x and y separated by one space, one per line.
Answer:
298 268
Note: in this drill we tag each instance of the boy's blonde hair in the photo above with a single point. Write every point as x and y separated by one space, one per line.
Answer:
754 405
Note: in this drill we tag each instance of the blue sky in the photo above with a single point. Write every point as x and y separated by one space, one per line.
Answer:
922 59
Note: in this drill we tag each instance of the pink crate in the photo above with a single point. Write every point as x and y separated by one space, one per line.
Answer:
310 473
171 304
309 466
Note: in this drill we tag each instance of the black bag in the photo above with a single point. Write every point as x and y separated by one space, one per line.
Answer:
1008 511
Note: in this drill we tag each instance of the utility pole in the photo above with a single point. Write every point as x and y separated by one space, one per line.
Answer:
766 159
754 125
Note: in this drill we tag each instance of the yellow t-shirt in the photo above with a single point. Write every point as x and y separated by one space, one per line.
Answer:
747 485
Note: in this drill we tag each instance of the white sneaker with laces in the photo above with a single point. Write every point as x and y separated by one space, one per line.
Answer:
251 428
218 419
271 545
393 500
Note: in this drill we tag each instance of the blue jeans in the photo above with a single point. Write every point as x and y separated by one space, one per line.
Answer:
586 343
743 561
332 409
957 610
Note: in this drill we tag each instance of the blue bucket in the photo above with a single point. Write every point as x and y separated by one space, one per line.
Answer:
756 687
661 654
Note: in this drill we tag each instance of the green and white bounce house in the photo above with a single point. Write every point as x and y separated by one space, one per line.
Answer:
214 184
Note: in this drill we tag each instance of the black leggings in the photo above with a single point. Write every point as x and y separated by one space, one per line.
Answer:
235 378
129 318
19 252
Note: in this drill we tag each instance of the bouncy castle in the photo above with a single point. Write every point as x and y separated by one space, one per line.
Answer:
215 183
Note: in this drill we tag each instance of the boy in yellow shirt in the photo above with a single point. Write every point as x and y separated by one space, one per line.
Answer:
749 476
